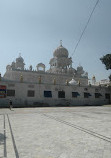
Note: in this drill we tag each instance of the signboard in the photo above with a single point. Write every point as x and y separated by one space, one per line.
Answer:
2 91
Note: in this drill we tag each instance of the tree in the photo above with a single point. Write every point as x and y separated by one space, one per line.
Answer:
106 59
110 77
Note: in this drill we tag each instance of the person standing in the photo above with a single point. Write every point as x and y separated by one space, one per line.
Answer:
10 103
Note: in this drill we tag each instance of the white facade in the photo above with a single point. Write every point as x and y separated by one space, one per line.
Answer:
60 85
60 69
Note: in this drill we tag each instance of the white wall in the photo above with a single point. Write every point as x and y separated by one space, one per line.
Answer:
21 97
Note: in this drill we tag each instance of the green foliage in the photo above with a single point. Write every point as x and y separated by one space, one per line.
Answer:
107 61
110 77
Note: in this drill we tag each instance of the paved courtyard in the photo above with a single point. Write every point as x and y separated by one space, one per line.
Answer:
56 132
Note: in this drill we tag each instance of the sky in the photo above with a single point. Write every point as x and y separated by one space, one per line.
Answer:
34 28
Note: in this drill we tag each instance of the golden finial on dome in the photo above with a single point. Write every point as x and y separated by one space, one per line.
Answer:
60 42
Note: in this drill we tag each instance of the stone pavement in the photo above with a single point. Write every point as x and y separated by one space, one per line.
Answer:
56 132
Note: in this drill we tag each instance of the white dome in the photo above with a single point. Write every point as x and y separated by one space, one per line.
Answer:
61 52
19 59
79 68
72 82
40 65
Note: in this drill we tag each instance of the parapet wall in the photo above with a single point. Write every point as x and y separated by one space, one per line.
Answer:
33 77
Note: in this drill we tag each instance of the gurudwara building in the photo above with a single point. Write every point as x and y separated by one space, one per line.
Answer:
61 85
